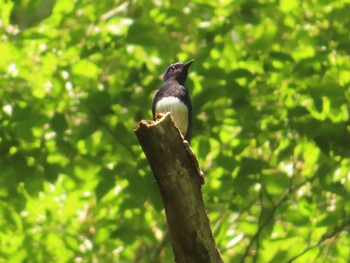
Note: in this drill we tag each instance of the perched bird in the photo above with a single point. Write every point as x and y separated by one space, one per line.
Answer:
173 97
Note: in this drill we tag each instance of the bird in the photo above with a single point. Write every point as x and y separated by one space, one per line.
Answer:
174 97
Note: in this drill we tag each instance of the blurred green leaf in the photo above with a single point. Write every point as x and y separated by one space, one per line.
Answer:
281 56
6 8
58 123
106 183
141 34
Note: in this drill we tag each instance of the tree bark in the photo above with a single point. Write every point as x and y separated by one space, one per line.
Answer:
179 177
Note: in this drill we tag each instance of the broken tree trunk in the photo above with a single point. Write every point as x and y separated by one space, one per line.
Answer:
179 178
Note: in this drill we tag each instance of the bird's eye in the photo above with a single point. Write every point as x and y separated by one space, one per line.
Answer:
172 68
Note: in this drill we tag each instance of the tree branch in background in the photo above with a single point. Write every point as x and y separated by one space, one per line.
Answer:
336 232
179 178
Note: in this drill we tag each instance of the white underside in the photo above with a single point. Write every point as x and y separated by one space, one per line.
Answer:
178 111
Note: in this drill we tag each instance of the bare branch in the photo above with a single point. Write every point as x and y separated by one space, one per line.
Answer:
179 178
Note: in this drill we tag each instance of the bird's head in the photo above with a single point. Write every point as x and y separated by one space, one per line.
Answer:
178 71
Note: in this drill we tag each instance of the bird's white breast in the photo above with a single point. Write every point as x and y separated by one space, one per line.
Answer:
178 111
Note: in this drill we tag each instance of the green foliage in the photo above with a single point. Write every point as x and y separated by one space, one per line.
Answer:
270 88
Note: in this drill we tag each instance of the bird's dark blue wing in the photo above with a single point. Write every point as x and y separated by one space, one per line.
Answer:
172 88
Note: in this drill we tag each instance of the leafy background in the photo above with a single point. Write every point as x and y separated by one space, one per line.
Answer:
270 88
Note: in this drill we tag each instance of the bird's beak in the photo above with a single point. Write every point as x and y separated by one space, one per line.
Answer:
188 63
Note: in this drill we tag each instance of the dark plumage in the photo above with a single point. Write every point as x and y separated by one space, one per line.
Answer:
174 97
